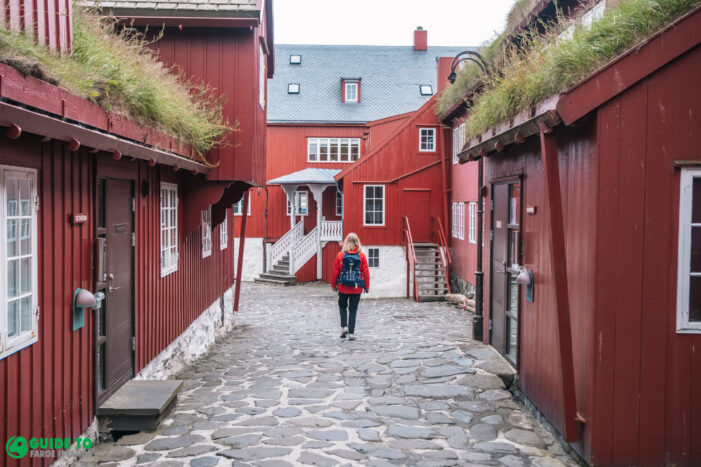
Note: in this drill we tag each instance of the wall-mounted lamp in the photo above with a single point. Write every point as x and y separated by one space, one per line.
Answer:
525 277
471 56
83 299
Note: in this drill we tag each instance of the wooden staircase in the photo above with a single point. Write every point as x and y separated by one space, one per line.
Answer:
279 274
430 276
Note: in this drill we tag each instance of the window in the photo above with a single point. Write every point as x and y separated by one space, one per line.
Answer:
458 227
333 149
207 232
261 78
295 59
339 203
224 232
19 311
351 92
169 228
566 34
689 259
472 233
427 139
238 207
426 90
374 257
458 141
293 88
374 205
593 15
301 199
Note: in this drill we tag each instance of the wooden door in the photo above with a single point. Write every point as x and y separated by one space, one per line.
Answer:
417 205
115 336
505 292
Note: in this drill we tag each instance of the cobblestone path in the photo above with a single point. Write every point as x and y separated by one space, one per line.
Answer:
283 389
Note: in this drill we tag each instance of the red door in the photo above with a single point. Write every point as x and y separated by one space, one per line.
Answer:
417 208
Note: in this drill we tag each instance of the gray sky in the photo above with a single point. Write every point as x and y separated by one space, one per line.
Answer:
388 22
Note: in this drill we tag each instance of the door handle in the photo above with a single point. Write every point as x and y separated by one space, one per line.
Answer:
112 289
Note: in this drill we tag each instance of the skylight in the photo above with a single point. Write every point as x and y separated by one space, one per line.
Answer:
293 88
295 59
426 90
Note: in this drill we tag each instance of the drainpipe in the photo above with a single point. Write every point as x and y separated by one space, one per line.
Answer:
265 232
477 320
242 241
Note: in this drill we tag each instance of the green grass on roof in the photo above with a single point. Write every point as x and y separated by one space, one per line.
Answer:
113 67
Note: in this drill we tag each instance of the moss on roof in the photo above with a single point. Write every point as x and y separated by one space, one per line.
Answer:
113 67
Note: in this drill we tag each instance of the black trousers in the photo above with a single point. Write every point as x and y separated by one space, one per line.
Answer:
348 306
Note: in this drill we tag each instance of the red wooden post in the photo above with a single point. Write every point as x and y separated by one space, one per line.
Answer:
239 266
558 262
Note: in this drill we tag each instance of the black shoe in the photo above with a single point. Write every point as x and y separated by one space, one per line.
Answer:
344 333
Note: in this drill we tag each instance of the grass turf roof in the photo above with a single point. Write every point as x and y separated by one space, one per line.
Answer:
543 67
113 67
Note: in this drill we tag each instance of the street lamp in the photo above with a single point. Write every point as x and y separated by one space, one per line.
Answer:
470 56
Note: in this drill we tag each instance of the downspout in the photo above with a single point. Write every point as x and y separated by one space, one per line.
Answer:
242 241
444 184
265 232
478 318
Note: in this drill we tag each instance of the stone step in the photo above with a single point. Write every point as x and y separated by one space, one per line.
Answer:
138 406
277 276
431 298
274 281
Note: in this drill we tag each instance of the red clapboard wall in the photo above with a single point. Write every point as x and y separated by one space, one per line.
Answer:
50 22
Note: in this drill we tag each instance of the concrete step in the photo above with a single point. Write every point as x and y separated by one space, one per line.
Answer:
277 276
274 281
138 406
431 298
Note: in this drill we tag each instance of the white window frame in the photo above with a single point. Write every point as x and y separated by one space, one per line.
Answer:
172 266
365 187
24 339
472 232
327 142
461 221
295 59
594 14
454 220
351 85
339 203
370 257
224 232
261 78
298 202
458 141
426 90
293 88
206 227
432 148
238 205
684 326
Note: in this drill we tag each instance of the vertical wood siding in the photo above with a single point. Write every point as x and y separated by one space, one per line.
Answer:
50 22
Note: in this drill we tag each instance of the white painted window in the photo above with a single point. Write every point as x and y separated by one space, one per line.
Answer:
594 14
333 149
302 202
689 257
566 34
472 233
339 203
458 221
169 228
427 139
293 88
426 90
19 306
224 232
458 141
261 78
373 257
295 59
238 207
351 90
374 205
207 232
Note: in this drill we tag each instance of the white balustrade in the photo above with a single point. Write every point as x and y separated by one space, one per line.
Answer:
304 250
285 244
331 231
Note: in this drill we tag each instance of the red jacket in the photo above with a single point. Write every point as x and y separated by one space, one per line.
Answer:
338 267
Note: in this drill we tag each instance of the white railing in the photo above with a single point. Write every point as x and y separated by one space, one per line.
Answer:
304 250
285 244
331 231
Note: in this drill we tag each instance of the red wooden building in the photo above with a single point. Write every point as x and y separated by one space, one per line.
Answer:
91 200
594 192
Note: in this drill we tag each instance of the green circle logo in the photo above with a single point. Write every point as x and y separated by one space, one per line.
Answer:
17 447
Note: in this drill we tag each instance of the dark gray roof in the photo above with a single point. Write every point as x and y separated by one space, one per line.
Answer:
311 175
390 80
176 7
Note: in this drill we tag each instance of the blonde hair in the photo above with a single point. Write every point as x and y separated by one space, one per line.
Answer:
351 242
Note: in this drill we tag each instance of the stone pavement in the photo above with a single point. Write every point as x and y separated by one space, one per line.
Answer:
283 389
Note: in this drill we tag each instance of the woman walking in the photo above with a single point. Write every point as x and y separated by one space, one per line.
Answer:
352 278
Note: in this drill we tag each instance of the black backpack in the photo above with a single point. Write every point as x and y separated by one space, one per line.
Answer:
350 274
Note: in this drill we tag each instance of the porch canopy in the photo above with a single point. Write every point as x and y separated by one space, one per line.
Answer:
316 179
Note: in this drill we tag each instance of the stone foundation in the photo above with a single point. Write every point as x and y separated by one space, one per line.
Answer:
460 285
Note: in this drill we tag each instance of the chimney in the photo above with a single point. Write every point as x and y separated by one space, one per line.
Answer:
443 71
420 39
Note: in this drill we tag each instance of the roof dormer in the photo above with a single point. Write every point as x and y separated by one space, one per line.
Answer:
350 90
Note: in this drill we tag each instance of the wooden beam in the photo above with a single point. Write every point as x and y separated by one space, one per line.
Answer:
242 241
558 262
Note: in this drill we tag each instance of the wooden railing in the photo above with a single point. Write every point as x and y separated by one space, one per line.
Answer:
285 244
446 260
304 250
331 231
410 262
